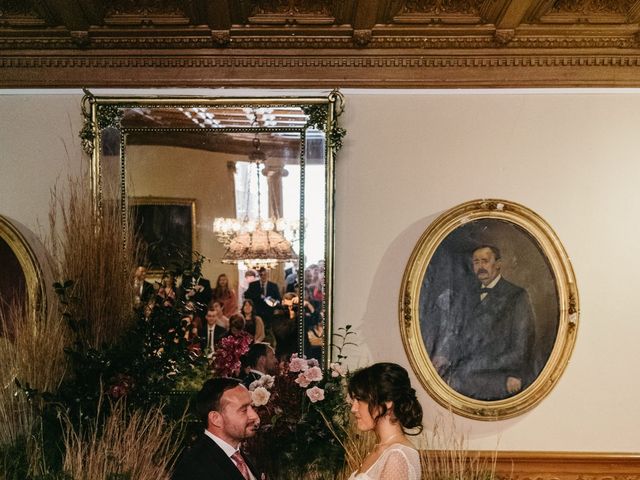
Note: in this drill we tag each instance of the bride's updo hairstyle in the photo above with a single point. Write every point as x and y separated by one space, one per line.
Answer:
387 382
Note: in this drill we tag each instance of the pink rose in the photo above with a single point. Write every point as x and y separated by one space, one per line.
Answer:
314 374
315 394
337 370
297 364
302 380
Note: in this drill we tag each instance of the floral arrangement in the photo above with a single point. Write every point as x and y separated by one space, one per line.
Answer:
304 418
227 360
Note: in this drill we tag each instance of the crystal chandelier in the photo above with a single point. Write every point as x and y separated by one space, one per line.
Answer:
256 242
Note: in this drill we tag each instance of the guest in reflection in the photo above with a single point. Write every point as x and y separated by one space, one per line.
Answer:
314 284
225 295
220 318
265 296
142 290
291 280
253 323
314 339
167 293
260 360
285 325
211 332
197 290
248 277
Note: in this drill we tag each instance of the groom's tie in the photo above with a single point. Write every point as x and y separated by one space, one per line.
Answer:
242 465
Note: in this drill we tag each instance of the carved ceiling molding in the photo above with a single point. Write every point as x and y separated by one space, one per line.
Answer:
351 61
361 38
447 69
320 43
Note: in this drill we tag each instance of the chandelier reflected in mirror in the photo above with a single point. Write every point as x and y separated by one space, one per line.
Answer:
252 240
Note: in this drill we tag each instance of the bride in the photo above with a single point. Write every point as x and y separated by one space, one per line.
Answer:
382 400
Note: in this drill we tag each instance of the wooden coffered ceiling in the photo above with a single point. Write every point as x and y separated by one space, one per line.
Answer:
319 43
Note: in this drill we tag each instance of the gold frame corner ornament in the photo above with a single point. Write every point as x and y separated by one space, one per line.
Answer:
568 309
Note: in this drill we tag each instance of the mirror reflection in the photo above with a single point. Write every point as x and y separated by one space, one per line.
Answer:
242 191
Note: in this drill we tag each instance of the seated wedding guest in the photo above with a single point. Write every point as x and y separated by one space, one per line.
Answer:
237 326
382 400
223 405
314 339
142 290
260 360
211 332
167 292
253 323
221 319
225 295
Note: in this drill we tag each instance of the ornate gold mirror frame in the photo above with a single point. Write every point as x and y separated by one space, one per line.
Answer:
306 126
489 354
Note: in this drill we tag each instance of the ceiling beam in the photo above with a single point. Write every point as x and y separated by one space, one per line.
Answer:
634 12
513 13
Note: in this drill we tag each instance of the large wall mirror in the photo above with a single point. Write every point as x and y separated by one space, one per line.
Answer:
245 183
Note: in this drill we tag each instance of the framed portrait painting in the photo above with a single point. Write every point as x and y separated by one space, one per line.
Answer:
166 228
489 309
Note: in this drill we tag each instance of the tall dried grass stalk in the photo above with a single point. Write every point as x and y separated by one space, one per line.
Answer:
447 457
138 445
31 352
90 250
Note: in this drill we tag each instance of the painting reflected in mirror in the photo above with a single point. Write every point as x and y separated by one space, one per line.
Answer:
231 202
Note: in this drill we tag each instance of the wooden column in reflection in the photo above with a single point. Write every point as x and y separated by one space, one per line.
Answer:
274 171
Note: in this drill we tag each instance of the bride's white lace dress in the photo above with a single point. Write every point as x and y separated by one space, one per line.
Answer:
397 462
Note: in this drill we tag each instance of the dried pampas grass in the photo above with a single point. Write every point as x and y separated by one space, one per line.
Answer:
447 457
138 445
31 354
91 250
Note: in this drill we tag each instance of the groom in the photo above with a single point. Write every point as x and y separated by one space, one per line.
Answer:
224 406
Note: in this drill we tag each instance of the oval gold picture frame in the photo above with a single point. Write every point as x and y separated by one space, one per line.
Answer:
439 276
13 234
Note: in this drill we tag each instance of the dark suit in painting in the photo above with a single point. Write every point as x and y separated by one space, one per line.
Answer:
486 341
205 460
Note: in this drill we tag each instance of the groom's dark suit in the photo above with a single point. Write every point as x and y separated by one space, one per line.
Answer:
205 460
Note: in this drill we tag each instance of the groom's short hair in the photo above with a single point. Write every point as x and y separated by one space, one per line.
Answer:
209 396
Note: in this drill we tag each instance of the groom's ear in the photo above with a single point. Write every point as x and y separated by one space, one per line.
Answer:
214 419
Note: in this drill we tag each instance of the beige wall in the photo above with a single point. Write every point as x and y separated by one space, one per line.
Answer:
409 156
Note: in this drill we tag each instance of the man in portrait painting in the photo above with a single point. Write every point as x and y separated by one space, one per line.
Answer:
486 343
